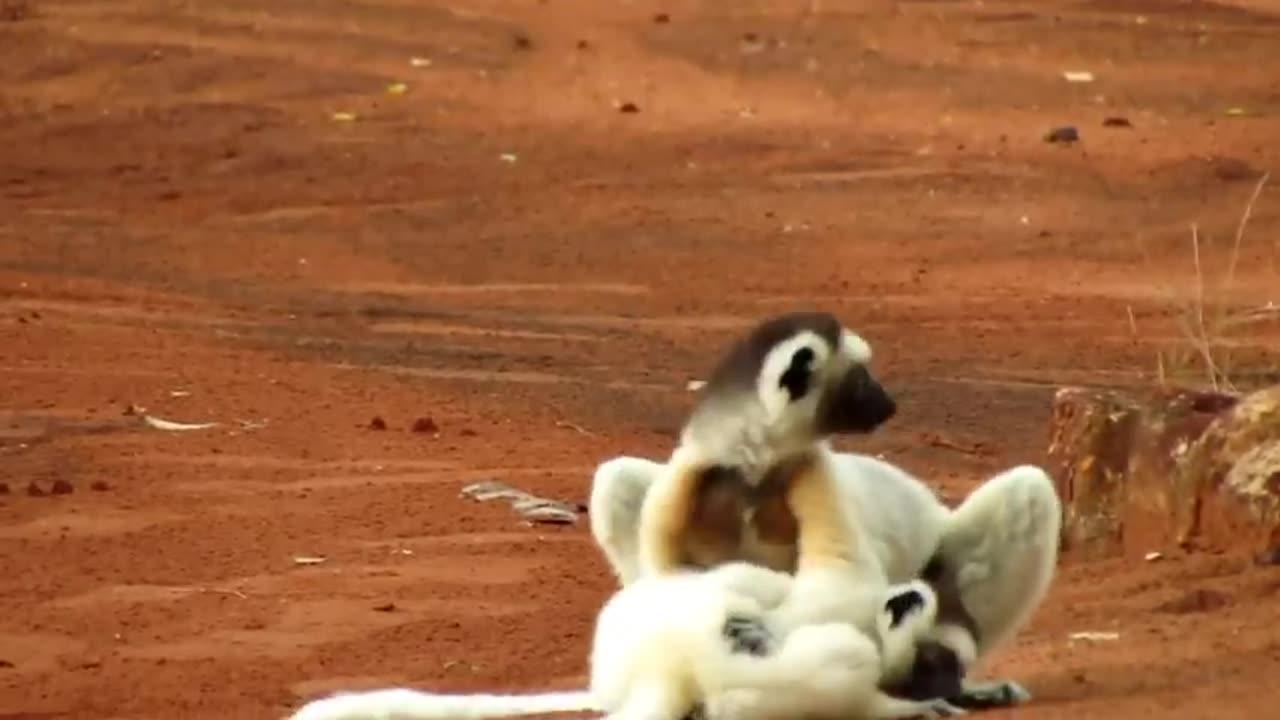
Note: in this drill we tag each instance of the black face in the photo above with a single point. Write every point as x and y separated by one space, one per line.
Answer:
936 673
858 404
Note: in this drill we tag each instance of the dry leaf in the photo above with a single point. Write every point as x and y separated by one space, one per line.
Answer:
1095 636
553 515
162 424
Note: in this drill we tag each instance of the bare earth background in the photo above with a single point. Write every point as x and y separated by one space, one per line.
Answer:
227 211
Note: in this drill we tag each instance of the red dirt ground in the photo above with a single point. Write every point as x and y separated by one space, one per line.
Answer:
180 211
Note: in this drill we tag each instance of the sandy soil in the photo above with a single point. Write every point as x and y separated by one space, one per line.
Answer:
229 214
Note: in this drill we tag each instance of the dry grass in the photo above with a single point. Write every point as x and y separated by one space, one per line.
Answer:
1209 323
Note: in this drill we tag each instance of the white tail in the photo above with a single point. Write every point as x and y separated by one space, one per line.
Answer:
406 704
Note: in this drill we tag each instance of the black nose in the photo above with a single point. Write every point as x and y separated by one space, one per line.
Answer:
858 405
881 406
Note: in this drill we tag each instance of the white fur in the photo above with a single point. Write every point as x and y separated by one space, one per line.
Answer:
855 348
408 704
618 490
1003 538
659 651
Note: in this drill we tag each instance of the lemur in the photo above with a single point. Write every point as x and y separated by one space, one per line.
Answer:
660 653
757 441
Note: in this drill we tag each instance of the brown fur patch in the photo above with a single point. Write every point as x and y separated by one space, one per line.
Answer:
773 519
715 524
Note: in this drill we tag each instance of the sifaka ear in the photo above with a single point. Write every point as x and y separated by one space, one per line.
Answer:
798 377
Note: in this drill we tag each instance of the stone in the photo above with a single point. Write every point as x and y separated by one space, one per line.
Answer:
1138 472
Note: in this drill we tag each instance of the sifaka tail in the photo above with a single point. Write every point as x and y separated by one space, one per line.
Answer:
406 704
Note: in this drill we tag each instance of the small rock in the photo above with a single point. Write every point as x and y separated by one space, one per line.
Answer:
1116 121
661 18
34 490
62 487
751 43
628 107
1065 134
15 11
467 432
5 665
4 488
377 423
1270 556
388 607
520 41
583 45
425 425
99 486
1153 556
1195 601
1232 169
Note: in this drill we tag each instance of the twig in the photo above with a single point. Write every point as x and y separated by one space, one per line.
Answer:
571 426
941 442
1229 280
1199 334
216 591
